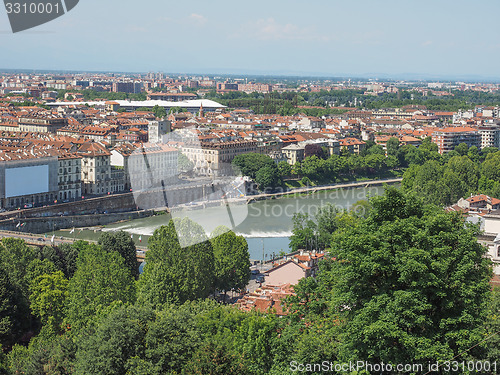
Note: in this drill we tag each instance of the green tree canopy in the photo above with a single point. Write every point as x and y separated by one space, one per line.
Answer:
119 339
232 260
48 299
15 257
392 146
123 245
14 314
267 177
249 164
159 112
410 283
175 274
101 278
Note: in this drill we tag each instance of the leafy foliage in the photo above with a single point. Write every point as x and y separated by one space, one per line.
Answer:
13 311
123 245
174 274
250 164
410 282
231 258
48 298
100 279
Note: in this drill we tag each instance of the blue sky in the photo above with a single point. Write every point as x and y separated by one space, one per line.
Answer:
323 37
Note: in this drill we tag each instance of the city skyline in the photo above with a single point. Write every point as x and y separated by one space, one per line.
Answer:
383 40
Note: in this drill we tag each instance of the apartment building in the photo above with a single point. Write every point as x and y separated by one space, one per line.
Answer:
146 166
69 176
352 145
41 124
448 138
490 135
294 153
129 87
96 169
157 129
214 158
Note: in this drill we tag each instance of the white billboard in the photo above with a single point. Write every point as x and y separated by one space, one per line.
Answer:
26 180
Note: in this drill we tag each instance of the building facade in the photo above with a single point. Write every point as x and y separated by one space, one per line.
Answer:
490 136
448 138
214 158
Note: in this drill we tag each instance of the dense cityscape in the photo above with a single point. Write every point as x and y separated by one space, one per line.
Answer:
406 277
271 188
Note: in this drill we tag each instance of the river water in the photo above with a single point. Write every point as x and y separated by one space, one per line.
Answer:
265 224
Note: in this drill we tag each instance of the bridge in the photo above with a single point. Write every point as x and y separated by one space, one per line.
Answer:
38 240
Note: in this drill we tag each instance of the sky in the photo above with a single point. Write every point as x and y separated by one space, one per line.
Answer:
380 39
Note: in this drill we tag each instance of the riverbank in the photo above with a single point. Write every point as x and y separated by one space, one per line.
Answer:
240 208
314 189
266 224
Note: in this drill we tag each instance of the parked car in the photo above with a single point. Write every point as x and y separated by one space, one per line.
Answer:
260 279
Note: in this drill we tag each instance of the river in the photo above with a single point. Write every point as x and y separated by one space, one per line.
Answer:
266 224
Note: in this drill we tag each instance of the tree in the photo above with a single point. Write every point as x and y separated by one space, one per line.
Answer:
159 112
267 177
184 165
13 312
462 149
48 297
374 150
493 327
101 278
327 223
4 369
232 260
392 146
284 169
490 169
453 188
174 274
215 358
123 245
426 181
411 283
15 256
249 164
37 268
314 150
466 170
375 162
118 339
303 232
174 110
489 187
313 168
68 255
428 145
174 336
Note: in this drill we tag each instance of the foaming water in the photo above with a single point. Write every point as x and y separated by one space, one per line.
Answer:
267 226
259 234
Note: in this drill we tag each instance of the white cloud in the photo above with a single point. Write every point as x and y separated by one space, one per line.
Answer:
270 29
198 19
